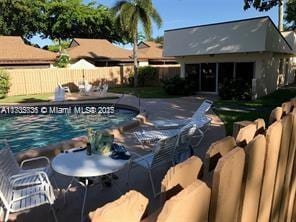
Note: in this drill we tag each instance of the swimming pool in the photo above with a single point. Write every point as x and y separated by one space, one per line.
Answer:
32 131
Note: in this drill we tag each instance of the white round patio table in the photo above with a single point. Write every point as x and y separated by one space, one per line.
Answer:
81 165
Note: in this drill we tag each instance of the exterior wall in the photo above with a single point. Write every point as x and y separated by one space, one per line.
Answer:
266 73
143 63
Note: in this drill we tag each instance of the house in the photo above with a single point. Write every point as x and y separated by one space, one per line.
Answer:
99 52
15 54
252 50
151 53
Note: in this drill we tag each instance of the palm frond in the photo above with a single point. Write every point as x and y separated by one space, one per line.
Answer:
156 18
146 22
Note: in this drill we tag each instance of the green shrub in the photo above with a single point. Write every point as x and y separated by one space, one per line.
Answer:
178 86
131 80
147 76
4 83
235 90
63 61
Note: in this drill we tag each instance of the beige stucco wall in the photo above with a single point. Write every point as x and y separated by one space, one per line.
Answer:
266 68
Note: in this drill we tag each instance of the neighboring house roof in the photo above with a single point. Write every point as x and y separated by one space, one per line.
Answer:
97 49
249 35
151 50
13 50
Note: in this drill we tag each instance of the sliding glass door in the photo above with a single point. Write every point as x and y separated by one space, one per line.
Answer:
208 77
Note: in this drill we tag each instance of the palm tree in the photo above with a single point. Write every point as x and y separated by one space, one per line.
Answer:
129 14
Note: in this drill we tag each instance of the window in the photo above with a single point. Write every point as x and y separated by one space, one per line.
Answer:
192 73
226 72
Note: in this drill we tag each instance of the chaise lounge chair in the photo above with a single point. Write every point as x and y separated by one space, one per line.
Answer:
153 136
199 117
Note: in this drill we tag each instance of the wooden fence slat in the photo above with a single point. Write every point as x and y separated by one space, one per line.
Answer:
253 177
273 142
226 188
282 166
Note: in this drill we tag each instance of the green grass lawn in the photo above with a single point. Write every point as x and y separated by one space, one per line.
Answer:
143 92
259 108
27 98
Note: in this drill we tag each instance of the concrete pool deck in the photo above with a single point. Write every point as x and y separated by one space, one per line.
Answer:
139 180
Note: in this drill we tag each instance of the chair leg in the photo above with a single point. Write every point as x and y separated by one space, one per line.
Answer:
152 184
128 174
55 182
53 213
200 136
6 215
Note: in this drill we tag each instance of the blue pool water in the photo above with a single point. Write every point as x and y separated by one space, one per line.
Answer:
30 131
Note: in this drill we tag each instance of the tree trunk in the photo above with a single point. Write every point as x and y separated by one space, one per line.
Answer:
60 46
281 16
135 55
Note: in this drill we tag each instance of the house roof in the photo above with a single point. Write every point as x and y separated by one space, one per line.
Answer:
151 50
14 50
249 35
97 49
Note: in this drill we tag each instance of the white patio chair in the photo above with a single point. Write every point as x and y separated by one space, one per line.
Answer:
66 88
198 116
162 153
103 90
16 200
14 171
59 94
184 143
84 88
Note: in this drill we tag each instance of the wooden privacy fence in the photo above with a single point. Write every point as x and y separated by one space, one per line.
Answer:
247 178
252 176
36 81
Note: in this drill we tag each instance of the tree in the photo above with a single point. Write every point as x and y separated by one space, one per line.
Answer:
67 19
261 5
21 17
129 14
291 14
158 39
55 47
265 5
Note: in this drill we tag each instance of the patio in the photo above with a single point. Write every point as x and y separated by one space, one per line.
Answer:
139 180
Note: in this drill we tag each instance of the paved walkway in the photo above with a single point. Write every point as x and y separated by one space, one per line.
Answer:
139 180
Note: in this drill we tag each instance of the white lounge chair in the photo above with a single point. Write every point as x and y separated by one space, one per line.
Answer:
163 152
16 200
14 171
153 136
199 117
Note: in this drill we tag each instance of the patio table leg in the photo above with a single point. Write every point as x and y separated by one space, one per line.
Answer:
69 186
84 197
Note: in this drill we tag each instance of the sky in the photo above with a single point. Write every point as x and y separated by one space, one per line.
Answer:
183 13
